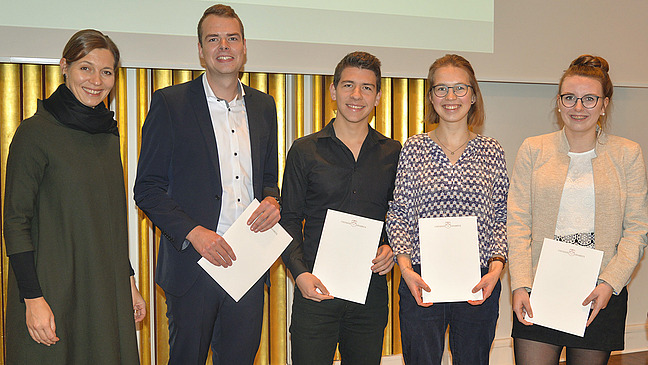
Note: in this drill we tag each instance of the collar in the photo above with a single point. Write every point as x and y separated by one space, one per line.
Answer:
209 93
563 146
373 136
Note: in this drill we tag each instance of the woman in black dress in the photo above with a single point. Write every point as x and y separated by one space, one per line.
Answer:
72 297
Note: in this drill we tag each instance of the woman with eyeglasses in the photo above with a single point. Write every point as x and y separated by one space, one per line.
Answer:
450 172
582 186
72 297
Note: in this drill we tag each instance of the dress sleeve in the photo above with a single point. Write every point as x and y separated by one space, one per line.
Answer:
519 220
635 224
500 194
26 165
401 217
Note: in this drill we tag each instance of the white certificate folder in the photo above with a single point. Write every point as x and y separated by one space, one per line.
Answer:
255 253
565 276
346 249
450 258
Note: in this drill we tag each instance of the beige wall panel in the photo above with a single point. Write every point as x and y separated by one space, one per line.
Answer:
277 291
161 79
53 78
318 102
400 107
9 120
383 119
330 108
299 107
416 106
32 88
245 78
144 229
121 115
259 81
182 76
397 347
277 88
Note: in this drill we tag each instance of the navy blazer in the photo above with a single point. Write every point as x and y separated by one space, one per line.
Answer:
178 182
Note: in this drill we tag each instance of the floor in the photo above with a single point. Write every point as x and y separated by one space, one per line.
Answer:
636 358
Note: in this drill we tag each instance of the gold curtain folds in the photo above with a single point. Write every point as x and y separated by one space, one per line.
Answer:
303 104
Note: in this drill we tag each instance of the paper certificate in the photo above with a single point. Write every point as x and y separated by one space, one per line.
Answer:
565 276
450 258
255 253
347 246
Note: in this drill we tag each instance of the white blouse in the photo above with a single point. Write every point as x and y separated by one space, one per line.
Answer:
576 214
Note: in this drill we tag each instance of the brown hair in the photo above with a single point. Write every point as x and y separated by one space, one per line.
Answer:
361 60
596 68
476 112
86 41
221 10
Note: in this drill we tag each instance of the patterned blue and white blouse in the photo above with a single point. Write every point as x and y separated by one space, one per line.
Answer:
429 186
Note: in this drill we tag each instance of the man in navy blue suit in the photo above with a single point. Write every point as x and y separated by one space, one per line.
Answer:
209 147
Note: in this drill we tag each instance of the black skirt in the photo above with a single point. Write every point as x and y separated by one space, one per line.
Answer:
605 333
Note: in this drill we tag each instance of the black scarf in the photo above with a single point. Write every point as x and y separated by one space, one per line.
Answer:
65 107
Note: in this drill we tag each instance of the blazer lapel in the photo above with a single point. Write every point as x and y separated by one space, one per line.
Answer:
255 127
203 118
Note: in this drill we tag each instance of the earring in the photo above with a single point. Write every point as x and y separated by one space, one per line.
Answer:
603 113
559 110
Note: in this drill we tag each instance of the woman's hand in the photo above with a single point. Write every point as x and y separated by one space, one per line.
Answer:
40 321
139 305
600 296
413 280
488 282
522 305
415 284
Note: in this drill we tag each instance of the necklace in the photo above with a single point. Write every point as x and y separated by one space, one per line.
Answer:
444 146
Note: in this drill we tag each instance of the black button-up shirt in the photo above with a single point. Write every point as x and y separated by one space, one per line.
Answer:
321 173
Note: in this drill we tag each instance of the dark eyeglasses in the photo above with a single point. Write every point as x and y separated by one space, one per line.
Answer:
459 90
588 101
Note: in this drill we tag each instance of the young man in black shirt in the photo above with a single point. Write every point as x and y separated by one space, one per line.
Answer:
349 167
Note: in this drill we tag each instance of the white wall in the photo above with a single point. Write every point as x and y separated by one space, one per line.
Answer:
533 40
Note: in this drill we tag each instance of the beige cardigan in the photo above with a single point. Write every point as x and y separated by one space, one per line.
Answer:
621 203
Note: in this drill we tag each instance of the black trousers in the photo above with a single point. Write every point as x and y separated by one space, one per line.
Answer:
316 328
207 316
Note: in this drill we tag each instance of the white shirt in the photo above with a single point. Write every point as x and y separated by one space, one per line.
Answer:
576 212
229 120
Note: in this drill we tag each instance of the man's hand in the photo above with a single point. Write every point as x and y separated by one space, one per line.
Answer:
265 216
211 246
384 260
40 321
139 305
308 285
600 296
522 305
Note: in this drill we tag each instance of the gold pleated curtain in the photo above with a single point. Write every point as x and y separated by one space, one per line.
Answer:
303 106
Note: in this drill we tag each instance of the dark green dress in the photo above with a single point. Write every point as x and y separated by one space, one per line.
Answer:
65 200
